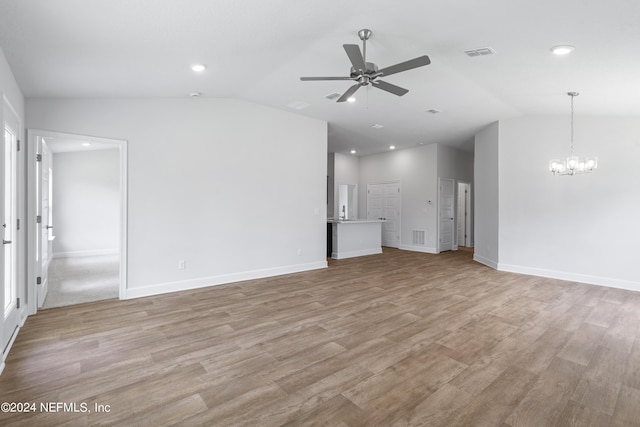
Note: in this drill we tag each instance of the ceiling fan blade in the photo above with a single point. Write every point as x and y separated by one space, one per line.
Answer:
404 66
311 79
348 93
396 90
355 56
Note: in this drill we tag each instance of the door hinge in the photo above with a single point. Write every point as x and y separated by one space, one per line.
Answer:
18 303
38 280
18 223
18 145
38 157
39 219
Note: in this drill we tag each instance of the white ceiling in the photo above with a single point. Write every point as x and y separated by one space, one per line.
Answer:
256 50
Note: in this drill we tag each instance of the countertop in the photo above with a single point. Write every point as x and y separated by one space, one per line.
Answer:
353 221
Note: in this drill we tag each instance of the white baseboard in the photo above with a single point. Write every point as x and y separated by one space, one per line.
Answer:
572 277
425 249
353 254
184 285
97 252
485 261
9 345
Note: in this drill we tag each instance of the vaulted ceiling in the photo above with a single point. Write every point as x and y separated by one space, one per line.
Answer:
257 50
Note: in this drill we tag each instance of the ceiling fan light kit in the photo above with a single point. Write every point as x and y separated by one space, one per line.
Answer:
367 73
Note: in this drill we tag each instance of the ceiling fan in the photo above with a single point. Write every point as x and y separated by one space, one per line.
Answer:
365 73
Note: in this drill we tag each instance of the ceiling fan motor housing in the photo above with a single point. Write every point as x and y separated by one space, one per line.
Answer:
371 69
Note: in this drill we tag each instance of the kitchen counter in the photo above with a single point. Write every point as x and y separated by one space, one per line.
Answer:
355 237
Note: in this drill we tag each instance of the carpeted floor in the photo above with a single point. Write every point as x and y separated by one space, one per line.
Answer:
82 279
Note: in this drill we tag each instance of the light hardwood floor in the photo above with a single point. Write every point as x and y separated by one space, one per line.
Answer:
398 339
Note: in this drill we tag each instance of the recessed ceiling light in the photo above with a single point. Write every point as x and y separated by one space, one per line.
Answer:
86 144
392 147
198 68
195 94
562 49
377 126
353 151
351 99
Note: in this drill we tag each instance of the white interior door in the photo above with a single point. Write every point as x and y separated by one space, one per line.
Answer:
446 214
384 202
45 225
8 207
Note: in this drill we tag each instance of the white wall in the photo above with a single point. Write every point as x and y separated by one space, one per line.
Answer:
86 202
582 228
486 196
416 169
236 189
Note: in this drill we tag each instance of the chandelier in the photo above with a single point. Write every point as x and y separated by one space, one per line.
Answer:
573 165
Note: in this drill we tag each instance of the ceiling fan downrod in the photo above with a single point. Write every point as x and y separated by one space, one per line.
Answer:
364 35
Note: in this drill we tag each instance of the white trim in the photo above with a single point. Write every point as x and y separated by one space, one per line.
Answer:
163 288
425 249
8 348
573 277
485 261
96 252
353 254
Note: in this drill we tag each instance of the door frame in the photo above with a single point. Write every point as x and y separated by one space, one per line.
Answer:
33 227
454 243
18 235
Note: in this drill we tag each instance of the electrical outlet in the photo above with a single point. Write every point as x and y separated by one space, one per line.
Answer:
182 264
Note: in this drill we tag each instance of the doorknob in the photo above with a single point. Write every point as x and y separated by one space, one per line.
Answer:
49 226
6 242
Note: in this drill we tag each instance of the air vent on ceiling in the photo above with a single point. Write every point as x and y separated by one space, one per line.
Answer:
481 51
332 96
433 111
298 105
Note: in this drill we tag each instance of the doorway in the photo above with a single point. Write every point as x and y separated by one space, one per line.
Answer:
79 185
384 202
463 217
446 215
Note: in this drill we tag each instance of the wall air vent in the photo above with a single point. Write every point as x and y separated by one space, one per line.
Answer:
481 51
419 237
332 96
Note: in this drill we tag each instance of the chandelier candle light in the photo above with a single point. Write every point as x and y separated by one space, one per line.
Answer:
573 165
